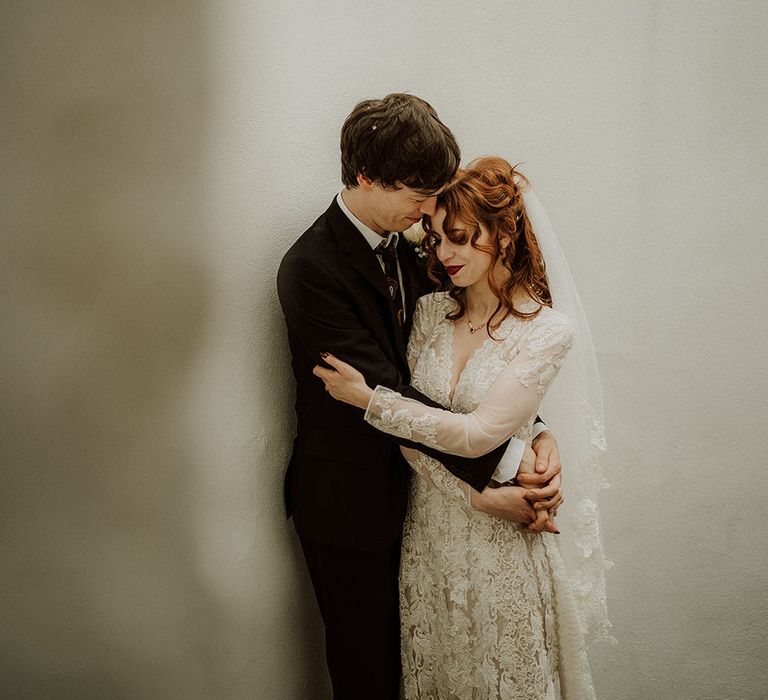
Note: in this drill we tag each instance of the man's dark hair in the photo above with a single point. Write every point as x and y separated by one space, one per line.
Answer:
398 140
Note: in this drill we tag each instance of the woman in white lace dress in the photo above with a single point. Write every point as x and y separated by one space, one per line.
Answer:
487 609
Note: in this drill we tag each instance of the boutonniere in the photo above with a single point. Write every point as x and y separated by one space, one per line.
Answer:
415 235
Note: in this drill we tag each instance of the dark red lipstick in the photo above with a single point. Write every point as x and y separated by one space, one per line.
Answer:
453 269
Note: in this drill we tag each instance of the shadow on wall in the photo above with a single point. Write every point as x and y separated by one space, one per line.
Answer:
104 294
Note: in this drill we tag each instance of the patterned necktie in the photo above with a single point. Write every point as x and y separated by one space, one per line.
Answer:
388 251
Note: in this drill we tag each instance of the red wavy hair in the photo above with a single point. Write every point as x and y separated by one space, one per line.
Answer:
489 192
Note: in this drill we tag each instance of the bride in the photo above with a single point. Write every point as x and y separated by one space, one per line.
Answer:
488 609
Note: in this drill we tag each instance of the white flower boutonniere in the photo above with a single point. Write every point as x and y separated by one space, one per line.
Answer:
415 235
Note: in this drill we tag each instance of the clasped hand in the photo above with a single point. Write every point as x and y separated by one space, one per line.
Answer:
540 474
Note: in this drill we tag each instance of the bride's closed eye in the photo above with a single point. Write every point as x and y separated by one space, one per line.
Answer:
458 236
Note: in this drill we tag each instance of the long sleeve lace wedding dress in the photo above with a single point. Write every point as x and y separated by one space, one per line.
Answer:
487 610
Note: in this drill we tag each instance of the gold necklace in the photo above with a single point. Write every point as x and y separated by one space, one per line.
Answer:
472 329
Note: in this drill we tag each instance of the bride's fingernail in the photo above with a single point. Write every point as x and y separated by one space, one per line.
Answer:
323 355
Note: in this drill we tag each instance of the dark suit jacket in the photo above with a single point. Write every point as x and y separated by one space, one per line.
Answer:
347 483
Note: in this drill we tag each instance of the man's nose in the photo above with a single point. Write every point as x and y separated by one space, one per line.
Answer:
428 206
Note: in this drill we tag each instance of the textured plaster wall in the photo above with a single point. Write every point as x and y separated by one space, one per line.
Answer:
158 160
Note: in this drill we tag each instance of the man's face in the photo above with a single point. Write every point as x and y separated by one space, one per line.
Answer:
397 209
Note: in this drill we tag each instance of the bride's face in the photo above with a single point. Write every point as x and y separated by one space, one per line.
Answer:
464 263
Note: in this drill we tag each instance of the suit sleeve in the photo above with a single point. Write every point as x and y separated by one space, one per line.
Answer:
321 317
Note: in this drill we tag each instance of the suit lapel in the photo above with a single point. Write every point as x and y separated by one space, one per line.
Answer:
352 243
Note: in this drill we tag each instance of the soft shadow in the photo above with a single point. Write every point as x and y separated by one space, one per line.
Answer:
105 291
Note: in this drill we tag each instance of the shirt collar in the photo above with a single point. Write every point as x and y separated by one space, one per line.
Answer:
373 238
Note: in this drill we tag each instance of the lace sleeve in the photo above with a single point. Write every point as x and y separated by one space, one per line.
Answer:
513 399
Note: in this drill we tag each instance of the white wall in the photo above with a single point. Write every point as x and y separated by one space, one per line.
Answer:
162 156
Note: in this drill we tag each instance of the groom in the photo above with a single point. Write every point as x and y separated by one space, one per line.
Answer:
349 286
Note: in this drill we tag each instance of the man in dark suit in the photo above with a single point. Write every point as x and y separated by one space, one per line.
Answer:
342 291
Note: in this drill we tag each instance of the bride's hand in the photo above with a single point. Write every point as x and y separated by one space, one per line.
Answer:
343 381
544 522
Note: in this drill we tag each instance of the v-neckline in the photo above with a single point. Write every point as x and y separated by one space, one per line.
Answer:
451 347
450 330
